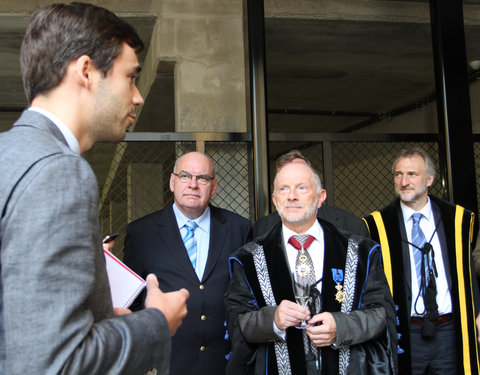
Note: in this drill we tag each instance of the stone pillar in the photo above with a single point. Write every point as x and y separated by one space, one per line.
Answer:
204 39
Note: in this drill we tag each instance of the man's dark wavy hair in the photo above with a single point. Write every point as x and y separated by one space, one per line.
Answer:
61 33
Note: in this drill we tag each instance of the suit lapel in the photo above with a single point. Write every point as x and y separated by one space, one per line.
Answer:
442 237
170 240
218 236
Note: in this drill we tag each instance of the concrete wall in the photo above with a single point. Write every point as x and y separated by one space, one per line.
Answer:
202 42
204 39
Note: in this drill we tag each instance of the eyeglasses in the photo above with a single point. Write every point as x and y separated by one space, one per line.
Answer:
185 177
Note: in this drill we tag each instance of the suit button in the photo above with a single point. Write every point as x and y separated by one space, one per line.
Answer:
202 286
203 317
202 348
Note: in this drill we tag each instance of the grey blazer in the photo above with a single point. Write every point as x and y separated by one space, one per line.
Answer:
56 313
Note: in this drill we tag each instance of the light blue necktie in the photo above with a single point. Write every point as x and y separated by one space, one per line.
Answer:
418 239
190 242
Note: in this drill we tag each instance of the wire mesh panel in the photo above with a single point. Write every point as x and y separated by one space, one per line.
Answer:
134 176
232 170
134 180
362 178
362 173
135 184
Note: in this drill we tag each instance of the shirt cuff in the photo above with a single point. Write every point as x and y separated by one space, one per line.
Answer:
280 332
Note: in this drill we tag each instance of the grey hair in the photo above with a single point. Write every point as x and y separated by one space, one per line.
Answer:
316 177
288 158
416 151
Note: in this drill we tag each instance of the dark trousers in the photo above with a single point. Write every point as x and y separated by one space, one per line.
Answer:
433 356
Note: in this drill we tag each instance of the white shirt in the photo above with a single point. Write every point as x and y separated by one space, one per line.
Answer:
202 235
427 224
64 129
316 249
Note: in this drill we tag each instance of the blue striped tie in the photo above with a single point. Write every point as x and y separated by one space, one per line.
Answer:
190 242
418 239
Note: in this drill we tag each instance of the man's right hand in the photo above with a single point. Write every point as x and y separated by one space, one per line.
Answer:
173 305
289 314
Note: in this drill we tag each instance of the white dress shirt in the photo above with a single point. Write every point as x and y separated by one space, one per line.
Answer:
316 251
428 225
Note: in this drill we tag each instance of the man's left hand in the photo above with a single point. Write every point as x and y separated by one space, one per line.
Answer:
325 333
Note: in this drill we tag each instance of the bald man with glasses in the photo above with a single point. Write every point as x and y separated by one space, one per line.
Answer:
187 244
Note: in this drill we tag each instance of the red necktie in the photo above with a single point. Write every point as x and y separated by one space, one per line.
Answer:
299 240
303 264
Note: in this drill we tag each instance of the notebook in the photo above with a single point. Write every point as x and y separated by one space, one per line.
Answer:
125 285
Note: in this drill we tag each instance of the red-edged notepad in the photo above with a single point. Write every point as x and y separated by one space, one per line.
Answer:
125 285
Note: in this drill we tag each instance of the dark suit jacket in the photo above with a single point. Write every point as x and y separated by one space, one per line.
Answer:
56 314
340 218
153 245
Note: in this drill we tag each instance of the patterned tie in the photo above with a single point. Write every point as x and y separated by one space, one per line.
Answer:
306 274
190 242
418 239
303 264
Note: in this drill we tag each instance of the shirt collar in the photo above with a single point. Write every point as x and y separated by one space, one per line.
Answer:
426 210
202 221
64 129
315 230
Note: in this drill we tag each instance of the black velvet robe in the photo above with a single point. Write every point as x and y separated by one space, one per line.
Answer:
387 227
260 359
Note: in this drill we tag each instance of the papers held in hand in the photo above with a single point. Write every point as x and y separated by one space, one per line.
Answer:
125 285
